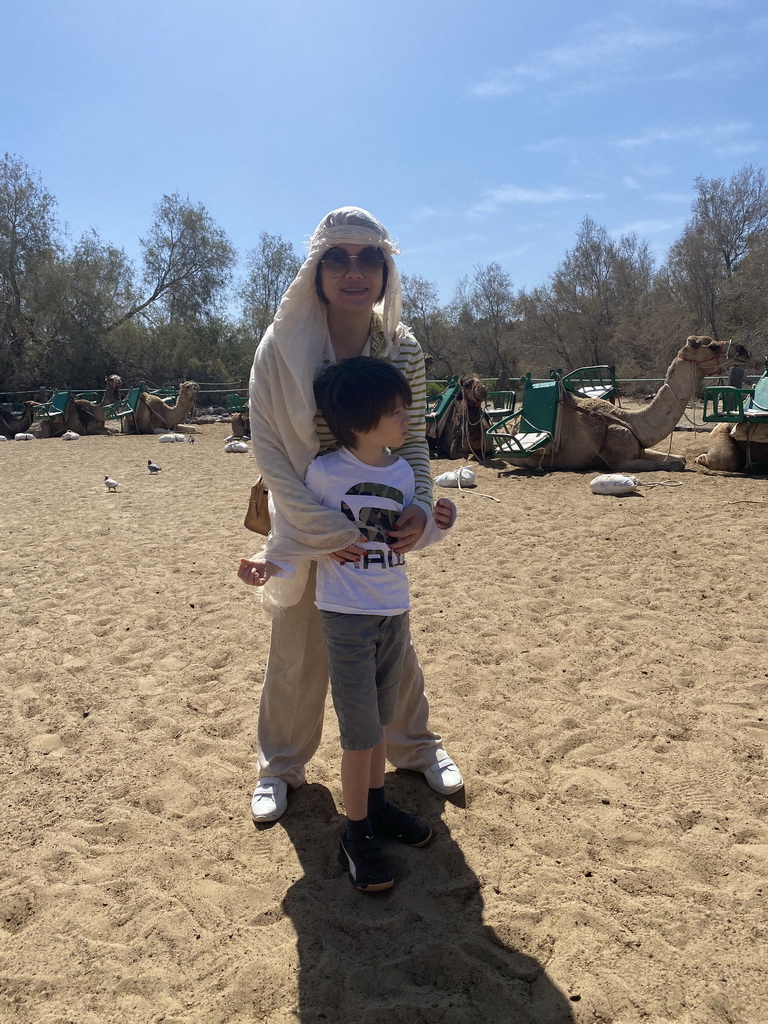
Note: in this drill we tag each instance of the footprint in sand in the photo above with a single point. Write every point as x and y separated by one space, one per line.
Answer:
48 743
15 911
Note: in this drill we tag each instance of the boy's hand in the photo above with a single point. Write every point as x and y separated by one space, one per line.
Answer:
256 574
444 513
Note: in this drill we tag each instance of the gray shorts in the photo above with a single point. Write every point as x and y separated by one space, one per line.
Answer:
365 662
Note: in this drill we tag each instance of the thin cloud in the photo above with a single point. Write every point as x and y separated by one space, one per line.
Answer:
422 213
710 5
642 228
738 149
494 199
671 197
496 85
705 133
555 145
599 47
715 67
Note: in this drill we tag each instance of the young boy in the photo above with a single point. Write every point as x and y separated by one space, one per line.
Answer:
363 597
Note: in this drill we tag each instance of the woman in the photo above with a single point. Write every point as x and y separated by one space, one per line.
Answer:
328 315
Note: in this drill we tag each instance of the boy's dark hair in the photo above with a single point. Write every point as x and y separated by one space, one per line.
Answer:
354 395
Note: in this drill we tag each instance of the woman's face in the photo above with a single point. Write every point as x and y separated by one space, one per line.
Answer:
355 287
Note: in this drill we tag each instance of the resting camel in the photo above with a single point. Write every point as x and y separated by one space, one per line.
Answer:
11 425
742 446
727 447
466 423
241 424
593 434
90 414
153 416
81 415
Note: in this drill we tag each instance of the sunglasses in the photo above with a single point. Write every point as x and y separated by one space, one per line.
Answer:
337 261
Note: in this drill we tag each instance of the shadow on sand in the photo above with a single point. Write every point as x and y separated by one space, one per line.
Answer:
419 954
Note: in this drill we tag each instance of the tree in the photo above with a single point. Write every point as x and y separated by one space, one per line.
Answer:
732 214
59 305
423 314
29 244
695 277
729 220
592 310
272 265
745 300
188 261
484 315
88 288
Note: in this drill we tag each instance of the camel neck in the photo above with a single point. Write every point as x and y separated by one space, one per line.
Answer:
658 419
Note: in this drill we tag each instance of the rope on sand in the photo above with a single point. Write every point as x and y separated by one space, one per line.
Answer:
478 493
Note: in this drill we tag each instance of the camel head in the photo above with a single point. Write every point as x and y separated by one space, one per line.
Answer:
189 388
113 383
737 355
473 389
704 353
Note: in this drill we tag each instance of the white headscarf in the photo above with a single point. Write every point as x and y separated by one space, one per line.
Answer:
282 401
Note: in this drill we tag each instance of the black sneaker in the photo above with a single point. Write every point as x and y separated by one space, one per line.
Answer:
403 827
364 861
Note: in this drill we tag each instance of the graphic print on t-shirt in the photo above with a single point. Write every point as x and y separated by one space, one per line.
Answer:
375 521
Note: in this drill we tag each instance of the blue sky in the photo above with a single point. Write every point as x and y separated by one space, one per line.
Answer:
476 132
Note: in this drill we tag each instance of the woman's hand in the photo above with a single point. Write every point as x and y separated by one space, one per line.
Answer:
256 574
444 513
351 554
408 528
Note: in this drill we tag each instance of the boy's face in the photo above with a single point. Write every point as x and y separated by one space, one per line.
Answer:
392 429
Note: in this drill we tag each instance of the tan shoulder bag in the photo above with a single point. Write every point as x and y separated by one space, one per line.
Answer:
257 514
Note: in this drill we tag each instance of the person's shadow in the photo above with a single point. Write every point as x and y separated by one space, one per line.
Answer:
417 954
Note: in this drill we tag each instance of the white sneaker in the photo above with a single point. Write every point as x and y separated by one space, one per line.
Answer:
444 777
270 799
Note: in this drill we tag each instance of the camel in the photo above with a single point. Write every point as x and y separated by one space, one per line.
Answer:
91 415
81 415
742 446
241 424
728 445
464 431
11 425
593 434
154 416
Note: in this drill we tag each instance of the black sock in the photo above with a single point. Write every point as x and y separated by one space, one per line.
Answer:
379 808
377 802
359 829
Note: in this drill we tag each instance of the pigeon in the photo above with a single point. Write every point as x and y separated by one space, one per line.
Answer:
152 467
110 484
191 440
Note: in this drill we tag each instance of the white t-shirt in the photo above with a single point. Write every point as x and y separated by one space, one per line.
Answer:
372 497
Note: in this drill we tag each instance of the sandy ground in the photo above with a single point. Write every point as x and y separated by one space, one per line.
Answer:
596 665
